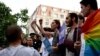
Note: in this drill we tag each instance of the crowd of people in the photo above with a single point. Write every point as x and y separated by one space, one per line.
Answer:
59 40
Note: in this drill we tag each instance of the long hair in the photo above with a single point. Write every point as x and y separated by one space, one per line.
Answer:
58 23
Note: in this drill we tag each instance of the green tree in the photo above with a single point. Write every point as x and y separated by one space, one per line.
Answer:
22 15
6 19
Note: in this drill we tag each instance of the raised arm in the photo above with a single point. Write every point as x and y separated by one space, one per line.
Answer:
32 25
42 30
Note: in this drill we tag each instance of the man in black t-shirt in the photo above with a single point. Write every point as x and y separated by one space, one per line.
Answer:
36 41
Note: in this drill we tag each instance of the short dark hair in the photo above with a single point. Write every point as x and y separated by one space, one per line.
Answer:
81 18
74 15
48 29
57 22
13 33
92 3
32 34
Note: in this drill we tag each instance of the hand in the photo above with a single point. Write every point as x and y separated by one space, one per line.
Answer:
33 22
55 48
77 44
40 21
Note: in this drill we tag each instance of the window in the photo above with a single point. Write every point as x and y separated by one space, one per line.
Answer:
62 16
43 9
47 23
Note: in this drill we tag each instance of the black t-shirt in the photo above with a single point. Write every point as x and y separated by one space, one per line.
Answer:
37 44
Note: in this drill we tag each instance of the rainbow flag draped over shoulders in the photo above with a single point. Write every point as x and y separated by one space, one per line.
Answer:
91 35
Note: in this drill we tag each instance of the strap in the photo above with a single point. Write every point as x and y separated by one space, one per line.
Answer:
68 30
76 35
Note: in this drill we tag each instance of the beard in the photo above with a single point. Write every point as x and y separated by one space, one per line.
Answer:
86 13
70 24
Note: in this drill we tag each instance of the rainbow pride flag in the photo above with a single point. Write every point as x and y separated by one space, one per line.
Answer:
91 35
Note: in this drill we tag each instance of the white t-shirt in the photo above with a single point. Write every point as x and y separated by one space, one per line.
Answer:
36 53
70 34
70 37
43 48
18 51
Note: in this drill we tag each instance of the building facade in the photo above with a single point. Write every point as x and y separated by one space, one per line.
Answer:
48 14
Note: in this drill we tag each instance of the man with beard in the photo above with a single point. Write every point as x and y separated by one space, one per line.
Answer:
72 35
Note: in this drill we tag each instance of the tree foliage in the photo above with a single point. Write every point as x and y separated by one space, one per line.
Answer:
22 15
6 19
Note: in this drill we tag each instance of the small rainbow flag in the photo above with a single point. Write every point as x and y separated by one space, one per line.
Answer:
91 35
